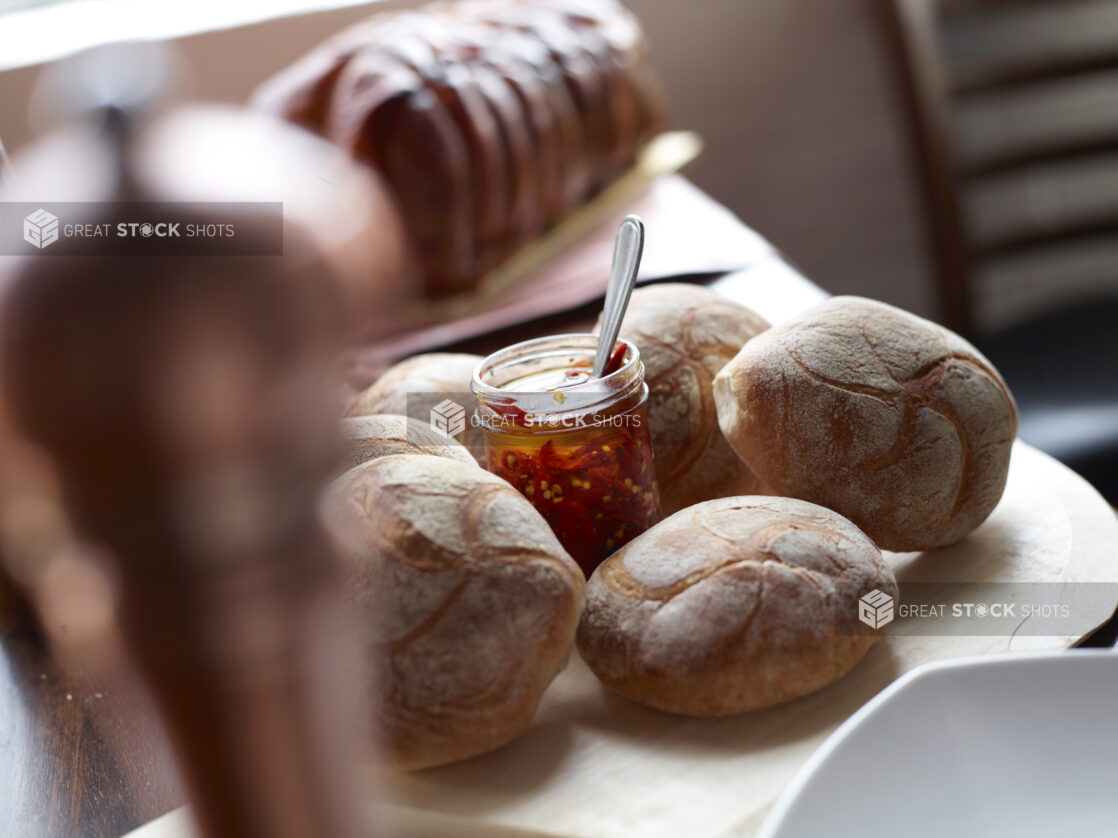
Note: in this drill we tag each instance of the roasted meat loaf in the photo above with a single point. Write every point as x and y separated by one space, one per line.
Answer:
487 119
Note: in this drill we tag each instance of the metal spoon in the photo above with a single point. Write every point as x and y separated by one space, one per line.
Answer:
627 251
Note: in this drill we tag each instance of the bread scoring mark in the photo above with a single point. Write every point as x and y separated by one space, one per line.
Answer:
392 530
738 637
912 393
758 550
690 346
398 644
482 705
737 312
879 393
685 329
478 504
930 375
872 345
905 434
429 556
698 442
969 360
697 522
811 577
617 578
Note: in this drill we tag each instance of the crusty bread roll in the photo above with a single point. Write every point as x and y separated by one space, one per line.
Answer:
472 600
892 421
383 435
414 386
686 334
731 605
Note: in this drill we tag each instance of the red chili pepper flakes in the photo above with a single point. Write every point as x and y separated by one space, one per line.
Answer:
511 412
616 360
596 496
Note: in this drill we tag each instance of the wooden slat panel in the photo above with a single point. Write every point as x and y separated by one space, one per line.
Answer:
1063 119
1071 148
1014 288
974 80
1055 30
1039 205
1057 232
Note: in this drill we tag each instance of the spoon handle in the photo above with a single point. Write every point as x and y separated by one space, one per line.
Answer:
627 251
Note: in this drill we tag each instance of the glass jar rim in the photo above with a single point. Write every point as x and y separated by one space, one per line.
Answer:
587 394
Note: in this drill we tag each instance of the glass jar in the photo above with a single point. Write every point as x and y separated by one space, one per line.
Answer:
577 447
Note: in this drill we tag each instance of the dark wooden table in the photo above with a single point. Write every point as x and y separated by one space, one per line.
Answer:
86 757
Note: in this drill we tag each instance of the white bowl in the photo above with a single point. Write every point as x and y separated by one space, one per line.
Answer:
1016 745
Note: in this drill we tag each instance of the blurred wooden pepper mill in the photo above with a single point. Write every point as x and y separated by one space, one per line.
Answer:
182 396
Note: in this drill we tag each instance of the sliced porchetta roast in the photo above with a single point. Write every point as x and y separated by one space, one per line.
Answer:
685 335
488 120
897 423
470 603
732 605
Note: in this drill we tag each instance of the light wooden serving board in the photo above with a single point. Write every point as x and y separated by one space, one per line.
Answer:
595 765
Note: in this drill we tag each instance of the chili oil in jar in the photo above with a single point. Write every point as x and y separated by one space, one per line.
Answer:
577 447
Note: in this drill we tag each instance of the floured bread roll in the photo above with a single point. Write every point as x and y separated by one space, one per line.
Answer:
414 386
384 434
686 334
472 600
732 605
896 423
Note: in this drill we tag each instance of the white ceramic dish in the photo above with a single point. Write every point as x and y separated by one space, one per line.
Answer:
1017 745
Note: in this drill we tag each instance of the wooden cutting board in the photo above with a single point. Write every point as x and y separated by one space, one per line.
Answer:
594 765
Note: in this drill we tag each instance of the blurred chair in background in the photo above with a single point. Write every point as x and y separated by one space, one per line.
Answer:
1013 111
